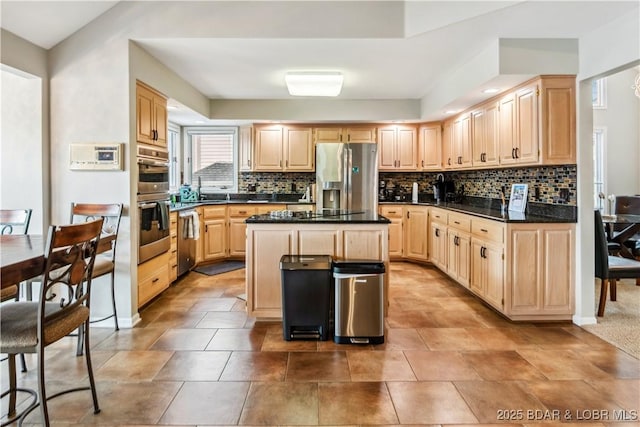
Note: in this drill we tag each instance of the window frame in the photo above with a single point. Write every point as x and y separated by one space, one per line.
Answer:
207 130
175 156
599 166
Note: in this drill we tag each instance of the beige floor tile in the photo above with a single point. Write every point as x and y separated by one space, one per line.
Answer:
318 366
274 341
379 366
271 403
255 366
184 339
625 393
489 399
401 339
206 403
429 403
613 361
562 364
131 339
447 339
214 304
249 339
194 366
440 366
502 365
355 403
134 365
223 319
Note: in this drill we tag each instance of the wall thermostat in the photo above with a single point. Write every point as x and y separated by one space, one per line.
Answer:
99 156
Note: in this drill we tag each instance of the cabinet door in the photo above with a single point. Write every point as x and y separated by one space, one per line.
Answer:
387 149
237 236
478 268
464 259
144 115
245 149
558 121
313 242
215 241
447 146
464 147
526 271
491 138
438 245
395 238
363 244
160 120
359 134
264 294
507 132
268 149
416 235
558 267
527 144
430 148
494 282
407 142
478 135
299 153
328 135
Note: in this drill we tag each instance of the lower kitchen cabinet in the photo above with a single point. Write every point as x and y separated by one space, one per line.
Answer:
215 232
437 240
459 256
540 271
173 251
153 278
487 261
238 228
416 219
395 214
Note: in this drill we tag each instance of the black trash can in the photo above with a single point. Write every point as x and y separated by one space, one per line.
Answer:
359 302
306 296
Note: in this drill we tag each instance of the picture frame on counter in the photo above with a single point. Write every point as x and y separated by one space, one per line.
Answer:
518 199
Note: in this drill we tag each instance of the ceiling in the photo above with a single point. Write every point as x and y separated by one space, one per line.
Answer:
438 37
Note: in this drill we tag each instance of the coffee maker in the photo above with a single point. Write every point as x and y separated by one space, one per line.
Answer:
382 191
443 189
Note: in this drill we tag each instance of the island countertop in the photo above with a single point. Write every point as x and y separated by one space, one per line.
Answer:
344 217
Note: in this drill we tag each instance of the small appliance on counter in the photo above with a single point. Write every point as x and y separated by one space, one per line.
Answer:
187 194
443 189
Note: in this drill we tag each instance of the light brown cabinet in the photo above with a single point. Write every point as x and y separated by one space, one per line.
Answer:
173 251
484 135
238 228
151 116
283 148
519 126
395 214
345 134
459 248
245 149
397 148
153 278
438 238
487 261
215 233
416 219
540 271
430 147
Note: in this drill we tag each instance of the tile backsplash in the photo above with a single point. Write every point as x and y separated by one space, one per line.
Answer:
548 180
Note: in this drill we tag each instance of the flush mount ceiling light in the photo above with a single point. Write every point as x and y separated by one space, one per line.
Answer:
491 90
314 83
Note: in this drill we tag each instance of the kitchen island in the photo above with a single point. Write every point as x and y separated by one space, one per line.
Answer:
343 235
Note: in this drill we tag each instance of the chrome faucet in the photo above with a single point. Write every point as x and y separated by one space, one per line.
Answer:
228 198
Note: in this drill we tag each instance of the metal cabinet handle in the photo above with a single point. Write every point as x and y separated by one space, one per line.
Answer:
513 153
484 231
517 153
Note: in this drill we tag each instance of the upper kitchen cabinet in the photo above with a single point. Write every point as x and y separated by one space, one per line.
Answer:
457 142
283 148
245 149
345 134
398 148
537 123
151 116
484 135
430 147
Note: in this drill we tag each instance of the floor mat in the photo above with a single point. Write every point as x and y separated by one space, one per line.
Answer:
223 267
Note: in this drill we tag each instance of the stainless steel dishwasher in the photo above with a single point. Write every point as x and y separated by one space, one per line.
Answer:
188 228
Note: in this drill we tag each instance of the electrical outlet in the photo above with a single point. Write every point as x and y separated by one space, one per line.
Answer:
564 194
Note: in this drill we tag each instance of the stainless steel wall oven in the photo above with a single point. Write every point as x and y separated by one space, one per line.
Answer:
153 203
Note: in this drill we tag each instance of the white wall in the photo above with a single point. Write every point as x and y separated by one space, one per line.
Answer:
620 119
20 139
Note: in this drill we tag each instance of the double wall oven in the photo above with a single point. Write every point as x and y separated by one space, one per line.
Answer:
153 203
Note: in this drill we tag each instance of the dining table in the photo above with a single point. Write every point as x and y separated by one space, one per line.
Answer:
22 256
631 224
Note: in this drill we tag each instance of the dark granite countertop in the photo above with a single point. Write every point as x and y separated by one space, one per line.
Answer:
179 206
356 217
490 209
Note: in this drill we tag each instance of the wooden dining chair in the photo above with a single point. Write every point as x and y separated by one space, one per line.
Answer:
610 268
31 326
105 261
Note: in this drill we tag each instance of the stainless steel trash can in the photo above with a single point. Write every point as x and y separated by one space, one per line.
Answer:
359 302
306 296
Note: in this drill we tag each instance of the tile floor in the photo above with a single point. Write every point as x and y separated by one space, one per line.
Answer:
197 359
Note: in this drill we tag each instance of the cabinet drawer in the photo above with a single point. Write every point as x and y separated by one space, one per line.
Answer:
265 209
215 212
459 221
439 215
392 211
153 278
242 211
488 230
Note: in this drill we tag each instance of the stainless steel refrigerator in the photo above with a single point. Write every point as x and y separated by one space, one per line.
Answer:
346 177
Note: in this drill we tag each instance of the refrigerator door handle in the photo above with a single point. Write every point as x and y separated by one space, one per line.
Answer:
348 154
